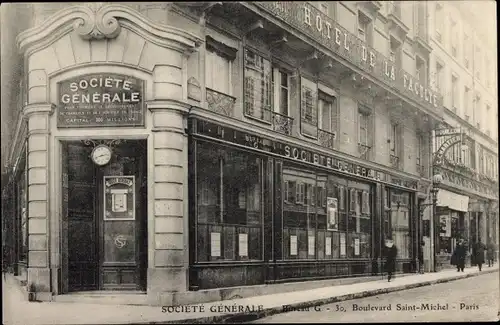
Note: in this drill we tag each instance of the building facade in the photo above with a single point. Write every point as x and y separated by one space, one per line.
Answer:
178 149
463 65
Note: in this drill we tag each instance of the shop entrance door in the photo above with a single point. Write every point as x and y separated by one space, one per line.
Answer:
104 217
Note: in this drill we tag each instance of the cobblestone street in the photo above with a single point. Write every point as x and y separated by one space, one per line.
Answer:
472 299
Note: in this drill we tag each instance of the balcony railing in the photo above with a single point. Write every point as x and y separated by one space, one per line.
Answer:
282 123
326 138
364 151
422 171
395 161
220 103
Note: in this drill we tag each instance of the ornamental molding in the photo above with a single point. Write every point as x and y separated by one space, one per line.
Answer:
97 21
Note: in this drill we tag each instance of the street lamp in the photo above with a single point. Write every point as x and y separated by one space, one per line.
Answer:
436 181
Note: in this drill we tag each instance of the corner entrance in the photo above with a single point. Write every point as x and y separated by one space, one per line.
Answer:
104 215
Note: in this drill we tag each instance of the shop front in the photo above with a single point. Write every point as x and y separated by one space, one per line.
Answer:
268 211
103 205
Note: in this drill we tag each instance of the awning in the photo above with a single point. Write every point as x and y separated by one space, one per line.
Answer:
452 200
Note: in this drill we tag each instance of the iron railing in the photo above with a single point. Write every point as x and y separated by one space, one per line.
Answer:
395 161
326 138
364 151
282 123
220 103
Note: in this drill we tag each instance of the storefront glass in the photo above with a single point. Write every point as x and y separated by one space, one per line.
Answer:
324 217
398 222
229 204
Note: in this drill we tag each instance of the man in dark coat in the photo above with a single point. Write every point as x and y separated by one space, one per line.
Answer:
478 253
390 252
490 253
458 257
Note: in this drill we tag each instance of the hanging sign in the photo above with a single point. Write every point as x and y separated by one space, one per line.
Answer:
97 100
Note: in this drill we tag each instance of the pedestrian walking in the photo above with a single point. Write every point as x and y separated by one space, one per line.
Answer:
458 256
421 257
478 253
390 252
490 253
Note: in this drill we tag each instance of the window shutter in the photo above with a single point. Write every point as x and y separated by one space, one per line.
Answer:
249 95
334 114
304 102
352 205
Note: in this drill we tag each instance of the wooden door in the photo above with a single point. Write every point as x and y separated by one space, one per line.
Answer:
123 220
80 218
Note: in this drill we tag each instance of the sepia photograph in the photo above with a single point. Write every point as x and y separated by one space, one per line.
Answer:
249 162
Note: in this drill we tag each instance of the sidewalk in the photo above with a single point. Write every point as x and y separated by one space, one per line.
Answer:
18 311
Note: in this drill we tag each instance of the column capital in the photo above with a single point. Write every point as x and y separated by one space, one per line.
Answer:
39 108
166 105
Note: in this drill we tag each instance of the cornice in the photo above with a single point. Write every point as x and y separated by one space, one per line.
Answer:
103 22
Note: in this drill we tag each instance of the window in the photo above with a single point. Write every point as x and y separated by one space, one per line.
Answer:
420 147
454 38
229 204
477 63
217 72
309 108
395 52
364 28
327 107
299 199
478 111
438 22
439 78
488 116
399 220
258 86
281 90
421 71
467 103
455 96
466 51
394 139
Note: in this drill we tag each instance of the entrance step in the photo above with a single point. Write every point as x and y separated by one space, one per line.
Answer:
104 297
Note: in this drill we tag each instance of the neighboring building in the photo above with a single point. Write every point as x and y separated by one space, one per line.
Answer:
178 147
463 69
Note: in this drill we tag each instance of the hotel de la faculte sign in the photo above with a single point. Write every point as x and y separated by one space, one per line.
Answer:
98 100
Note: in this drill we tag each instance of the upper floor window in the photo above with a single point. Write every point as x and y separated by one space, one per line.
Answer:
453 38
439 78
467 103
217 71
364 132
454 93
364 28
466 51
309 108
477 111
438 21
281 89
477 63
395 53
421 71
327 112
394 139
258 86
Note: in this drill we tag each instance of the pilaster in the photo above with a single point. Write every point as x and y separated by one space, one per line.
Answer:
168 270
37 116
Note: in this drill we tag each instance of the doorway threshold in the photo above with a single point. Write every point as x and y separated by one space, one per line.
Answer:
107 297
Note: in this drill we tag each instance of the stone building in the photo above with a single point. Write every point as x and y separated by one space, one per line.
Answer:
463 69
189 151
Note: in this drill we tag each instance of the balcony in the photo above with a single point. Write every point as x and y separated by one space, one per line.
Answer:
282 123
422 171
326 138
395 161
364 151
220 103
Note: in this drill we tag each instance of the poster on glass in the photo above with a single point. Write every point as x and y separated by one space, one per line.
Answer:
332 212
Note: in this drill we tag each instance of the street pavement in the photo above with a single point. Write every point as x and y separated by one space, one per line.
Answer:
466 300
18 311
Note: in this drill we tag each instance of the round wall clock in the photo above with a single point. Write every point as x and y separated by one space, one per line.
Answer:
101 155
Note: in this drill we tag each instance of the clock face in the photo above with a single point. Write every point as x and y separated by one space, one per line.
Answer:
101 155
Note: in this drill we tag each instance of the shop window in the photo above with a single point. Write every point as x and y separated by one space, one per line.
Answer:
258 87
229 204
400 222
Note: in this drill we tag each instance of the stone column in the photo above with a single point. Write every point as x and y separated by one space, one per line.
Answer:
38 198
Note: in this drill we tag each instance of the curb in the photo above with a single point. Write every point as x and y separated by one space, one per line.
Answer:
247 317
